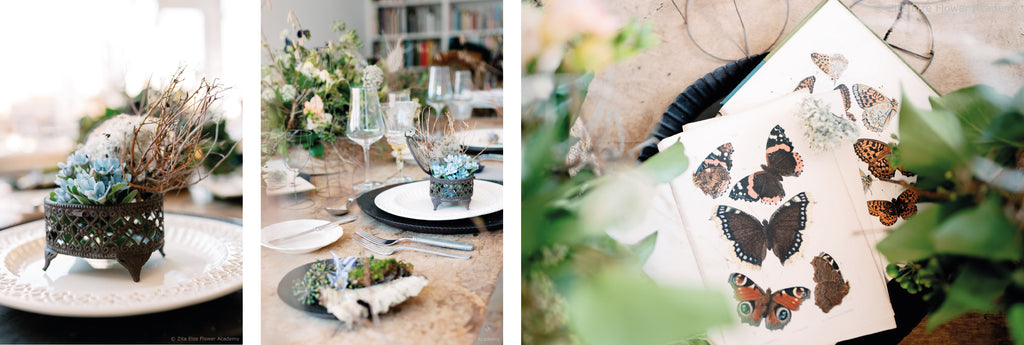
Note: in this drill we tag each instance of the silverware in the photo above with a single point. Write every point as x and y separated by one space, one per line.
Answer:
424 240
343 220
343 210
391 250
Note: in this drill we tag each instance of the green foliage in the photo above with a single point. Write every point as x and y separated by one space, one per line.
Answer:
307 290
378 271
965 252
224 149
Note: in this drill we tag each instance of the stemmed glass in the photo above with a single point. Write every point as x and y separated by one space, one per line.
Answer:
397 123
365 127
439 88
463 93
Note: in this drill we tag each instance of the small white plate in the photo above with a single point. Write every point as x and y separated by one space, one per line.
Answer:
480 139
204 262
302 244
412 200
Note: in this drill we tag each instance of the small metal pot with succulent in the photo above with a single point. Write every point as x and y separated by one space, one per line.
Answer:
108 203
444 158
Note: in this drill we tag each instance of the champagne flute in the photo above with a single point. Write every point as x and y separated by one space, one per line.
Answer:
397 123
365 127
463 94
439 88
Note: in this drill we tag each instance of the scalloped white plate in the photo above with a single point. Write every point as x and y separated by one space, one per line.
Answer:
204 262
412 200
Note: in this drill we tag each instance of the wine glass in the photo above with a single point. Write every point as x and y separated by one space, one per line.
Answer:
365 127
439 88
463 93
398 96
397 123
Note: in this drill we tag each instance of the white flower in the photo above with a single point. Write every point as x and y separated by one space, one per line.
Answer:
373 76
287 93
823 130
268 94
323 75
307 69
284 33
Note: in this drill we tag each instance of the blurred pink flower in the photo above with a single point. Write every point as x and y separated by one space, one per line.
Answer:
314 110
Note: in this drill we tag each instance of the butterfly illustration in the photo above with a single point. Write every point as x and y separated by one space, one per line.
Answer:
766 185
712 176
874 153
865 180
878 109
888 211
830 287
844 92
756 304
834 65
807 83
752 238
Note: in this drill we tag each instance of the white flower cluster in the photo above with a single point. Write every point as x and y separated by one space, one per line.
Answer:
824 130
373 77
112 137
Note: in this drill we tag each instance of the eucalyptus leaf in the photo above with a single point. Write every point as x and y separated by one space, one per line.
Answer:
975 289
982 232
668 164
932 142
912 241
623 307
645 247
975 107
1015 322
131 195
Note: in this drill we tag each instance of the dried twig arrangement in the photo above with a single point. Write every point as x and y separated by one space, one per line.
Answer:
167 148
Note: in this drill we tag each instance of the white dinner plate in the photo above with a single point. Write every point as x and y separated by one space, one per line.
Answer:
412 200
204 262
301 244
481 138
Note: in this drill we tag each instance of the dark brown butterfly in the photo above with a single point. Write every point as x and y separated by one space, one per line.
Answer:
766 185
807 83
888 211
752 238
874 153
878 109
756 303
844 92
834 65
712 176
830 288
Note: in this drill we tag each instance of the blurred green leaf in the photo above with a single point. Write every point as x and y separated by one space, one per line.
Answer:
1015 322
913 240
1006 128
982 232
668 164
975 289
975 107
645 247
931 142
623 307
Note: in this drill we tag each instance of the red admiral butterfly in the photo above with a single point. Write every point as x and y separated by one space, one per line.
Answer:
756 303
888 211
712 176
752 238
830 288
766 185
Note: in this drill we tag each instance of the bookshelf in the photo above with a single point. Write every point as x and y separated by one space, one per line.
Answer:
429 26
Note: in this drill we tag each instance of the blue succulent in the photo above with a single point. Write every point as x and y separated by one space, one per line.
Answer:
78 158
454 167
84 181
106 166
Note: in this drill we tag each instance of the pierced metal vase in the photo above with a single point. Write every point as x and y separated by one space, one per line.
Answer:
456 191
128 233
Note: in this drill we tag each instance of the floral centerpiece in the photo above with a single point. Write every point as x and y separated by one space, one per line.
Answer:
108 203
305 92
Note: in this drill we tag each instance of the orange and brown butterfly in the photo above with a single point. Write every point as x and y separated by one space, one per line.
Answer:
888 212
834 65
878 108
874 153
807 83
844 93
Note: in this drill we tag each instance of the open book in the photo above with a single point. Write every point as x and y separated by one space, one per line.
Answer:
788 231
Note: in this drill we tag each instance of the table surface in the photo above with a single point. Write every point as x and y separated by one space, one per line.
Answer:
460 304
216 321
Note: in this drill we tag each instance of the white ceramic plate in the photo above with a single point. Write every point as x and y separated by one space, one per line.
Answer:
480 139
204 262
412 200
302 244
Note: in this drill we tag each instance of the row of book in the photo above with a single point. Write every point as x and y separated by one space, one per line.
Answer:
412 19
416 53
476 16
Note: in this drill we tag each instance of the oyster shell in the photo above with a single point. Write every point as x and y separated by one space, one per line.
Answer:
344 303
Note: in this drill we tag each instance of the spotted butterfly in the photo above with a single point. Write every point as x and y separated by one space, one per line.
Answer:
878 109
888 211
806 83
874 153
752 238
712 176
830 287
834 65
756 304
766 185
844 92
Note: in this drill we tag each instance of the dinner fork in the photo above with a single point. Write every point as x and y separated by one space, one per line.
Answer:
391 250
424 240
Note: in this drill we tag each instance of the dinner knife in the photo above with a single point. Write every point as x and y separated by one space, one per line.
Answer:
342 220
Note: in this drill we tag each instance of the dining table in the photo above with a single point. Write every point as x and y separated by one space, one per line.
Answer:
461 304
217 321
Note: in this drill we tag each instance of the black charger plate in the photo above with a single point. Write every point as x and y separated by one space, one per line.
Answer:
284 291
491 222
